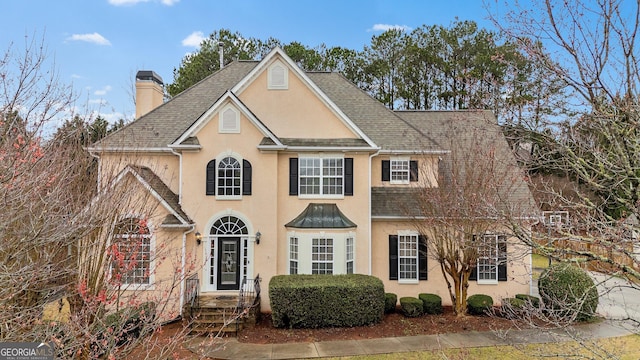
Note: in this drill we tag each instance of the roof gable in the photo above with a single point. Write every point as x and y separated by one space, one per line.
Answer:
187 139
277 55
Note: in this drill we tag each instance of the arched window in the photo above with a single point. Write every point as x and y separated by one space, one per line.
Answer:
232 180
131 253
229 225
229 177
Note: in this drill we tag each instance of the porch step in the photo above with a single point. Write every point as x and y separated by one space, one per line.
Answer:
215 314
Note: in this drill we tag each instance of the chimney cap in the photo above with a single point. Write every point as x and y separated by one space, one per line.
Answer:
148 75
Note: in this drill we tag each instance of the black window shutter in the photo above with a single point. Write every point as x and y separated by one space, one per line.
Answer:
348 176
386 170
502 258
474 268
293 176
246 177
393 257
422 257
474 273
211 178
413 170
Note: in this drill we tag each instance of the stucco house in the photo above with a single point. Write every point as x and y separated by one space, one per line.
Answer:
265 169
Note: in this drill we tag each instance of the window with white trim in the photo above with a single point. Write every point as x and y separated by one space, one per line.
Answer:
131 253
229 177
399 171
349 255
293 255
492 259
408 257
322 256
321 176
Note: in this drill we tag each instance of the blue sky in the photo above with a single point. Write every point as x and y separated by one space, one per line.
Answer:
98 45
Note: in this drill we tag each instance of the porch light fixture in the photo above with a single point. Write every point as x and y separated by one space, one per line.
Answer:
198 237
258 235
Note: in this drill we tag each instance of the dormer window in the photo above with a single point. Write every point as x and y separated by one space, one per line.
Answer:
278 77
229 120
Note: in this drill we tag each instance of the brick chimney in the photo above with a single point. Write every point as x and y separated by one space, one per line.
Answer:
149 93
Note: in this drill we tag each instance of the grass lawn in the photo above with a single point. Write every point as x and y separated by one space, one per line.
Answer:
627 347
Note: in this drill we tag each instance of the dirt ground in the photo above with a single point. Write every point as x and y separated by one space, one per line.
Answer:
392 325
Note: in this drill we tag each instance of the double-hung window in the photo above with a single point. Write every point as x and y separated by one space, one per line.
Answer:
349 255
293 255
408 257
492 258
321 175
399 171
131 253
322 256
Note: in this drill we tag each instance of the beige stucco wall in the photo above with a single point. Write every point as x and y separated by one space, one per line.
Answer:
164 164
166 255
295 112
427 170
518 269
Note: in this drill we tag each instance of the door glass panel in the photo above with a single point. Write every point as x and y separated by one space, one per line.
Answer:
229 265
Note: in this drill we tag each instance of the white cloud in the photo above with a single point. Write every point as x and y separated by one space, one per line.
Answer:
102 91
194 39
94 38
385 27
135 2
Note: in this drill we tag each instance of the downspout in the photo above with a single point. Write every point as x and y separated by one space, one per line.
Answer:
183 263
183 251
370 222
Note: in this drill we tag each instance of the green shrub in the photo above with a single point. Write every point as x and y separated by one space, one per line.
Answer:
314 301
479 304
411 307
390 301
568 291
431 303
534 301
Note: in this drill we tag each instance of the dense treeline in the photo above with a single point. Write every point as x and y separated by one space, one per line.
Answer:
430 68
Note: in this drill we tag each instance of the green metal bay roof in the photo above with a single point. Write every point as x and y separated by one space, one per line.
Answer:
321 216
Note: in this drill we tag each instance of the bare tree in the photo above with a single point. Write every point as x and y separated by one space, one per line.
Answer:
480 191
71 256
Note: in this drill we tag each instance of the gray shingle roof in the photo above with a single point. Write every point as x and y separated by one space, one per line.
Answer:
164 192
166 123
460 132
383 126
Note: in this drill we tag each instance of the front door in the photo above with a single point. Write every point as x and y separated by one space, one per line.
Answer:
228 263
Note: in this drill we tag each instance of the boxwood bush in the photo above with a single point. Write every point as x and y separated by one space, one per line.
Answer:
568 291
431 303
479 304
411 307
390 301
531 300
314 301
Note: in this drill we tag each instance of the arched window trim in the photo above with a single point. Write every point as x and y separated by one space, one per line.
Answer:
212 175
279 81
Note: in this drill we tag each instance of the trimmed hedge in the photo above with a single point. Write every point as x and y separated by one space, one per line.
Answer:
479 304
314 301
569 291
411 307
529 299
390 301
431 303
